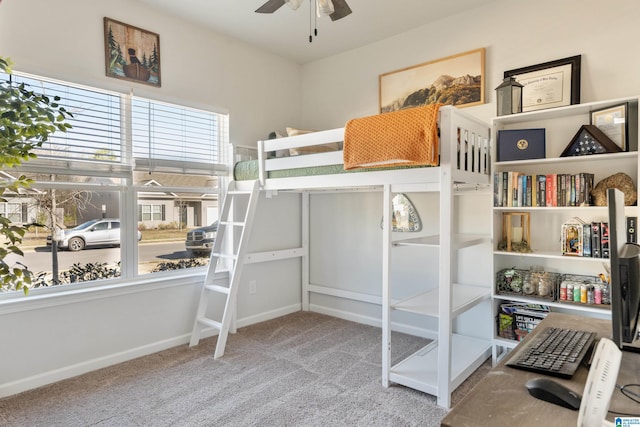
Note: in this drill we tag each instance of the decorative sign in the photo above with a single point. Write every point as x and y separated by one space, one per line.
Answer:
404 216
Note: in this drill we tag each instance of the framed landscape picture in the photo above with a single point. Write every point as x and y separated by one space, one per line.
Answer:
131 53
455 80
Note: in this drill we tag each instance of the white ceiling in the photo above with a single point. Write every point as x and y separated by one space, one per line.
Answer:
286 32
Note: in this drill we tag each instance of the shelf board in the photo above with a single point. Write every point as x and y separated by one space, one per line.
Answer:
464 297
549 208
458 241
420 370
560 112
603 309
551 255
563 161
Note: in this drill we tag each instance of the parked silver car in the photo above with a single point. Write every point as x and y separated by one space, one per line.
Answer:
97 232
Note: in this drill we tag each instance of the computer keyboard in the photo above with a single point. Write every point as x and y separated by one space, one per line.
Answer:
554 351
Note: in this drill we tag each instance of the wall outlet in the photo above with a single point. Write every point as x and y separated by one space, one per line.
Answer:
252 286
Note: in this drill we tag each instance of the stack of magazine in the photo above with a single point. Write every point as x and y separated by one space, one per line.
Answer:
517 319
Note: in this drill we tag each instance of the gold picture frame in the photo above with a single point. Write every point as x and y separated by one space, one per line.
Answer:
455 80
612 121
131 53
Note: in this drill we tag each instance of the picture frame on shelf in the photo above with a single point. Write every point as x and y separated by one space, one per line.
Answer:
550 84
613 121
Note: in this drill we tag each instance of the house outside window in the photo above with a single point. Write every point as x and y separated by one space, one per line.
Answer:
15 212
151 213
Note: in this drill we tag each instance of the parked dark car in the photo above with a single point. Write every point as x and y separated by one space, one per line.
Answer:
200 240
97 232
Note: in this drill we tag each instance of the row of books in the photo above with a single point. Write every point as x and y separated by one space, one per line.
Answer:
517 189
595 237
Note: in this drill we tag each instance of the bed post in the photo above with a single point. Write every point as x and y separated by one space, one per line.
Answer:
386 291
261 163
305 250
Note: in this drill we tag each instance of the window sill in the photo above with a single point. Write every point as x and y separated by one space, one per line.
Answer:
77 293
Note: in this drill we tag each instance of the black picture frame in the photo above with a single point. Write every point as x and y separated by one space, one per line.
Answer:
550 84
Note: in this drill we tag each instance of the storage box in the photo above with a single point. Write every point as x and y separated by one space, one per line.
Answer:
521 144
529 283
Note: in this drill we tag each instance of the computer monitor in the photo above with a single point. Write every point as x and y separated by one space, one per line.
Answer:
625 276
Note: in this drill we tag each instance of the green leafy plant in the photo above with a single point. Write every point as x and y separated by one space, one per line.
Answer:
178 265
27 119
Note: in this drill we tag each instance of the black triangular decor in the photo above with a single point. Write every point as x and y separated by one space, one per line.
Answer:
590 140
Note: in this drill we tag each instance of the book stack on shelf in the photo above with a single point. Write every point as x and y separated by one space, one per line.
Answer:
516 189
591 240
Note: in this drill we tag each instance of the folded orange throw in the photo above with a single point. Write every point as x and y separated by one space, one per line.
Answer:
404 137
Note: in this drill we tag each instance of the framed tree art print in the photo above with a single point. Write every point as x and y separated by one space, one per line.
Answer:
131 53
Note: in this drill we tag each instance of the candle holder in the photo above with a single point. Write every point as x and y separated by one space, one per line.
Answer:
516 231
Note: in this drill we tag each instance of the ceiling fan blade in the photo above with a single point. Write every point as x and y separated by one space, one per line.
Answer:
270 6
342 9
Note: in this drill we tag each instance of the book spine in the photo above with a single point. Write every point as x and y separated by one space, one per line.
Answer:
586 240
604 239
542 196
595 240
632 236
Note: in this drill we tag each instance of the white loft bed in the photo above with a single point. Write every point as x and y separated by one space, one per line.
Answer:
463 161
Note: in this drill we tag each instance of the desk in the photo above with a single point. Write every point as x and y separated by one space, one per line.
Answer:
501 398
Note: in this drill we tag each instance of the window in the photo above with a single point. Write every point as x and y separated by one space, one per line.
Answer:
15 212
151 165
151 213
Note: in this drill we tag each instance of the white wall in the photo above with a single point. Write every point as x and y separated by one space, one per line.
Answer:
515 33
50 337
65 40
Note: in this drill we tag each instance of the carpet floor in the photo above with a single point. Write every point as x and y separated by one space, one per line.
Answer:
304 369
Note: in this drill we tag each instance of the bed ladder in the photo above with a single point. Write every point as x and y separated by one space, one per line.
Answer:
230 291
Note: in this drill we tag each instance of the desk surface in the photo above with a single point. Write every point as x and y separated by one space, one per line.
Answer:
501 398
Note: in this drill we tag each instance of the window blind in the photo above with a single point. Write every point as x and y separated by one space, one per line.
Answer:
94 142
172 138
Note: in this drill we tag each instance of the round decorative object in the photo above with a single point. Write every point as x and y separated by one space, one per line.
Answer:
622 182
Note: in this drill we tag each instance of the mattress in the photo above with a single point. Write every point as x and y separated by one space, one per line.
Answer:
248 170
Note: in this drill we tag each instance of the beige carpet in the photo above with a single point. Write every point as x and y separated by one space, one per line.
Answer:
304 369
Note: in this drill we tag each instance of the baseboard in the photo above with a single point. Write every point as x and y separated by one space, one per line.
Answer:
24 384
373 321
29 383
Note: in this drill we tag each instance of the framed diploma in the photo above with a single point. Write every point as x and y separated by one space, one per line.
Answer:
612 121
548 85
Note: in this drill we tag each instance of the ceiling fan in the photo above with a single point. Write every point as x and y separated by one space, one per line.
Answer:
335 9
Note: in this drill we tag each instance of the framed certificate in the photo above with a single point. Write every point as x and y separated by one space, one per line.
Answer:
612 121
548 85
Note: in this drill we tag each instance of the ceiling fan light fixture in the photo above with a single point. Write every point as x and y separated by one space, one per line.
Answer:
294 4
324 8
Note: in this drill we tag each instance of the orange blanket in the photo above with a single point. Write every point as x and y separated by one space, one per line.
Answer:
400 138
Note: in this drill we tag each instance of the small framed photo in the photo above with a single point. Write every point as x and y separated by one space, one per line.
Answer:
131 53
548 85
613 122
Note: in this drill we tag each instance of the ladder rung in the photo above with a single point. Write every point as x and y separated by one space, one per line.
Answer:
217 288
210 322
233 223
232 256
238 192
